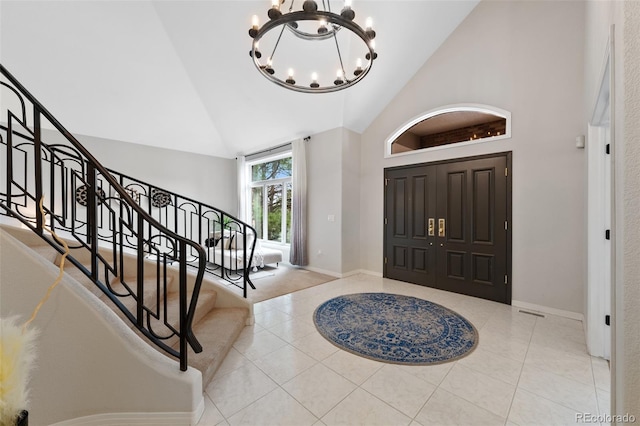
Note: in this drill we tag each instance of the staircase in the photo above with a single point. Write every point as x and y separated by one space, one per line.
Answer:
135 247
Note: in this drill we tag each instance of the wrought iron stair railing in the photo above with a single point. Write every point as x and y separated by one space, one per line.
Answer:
115 218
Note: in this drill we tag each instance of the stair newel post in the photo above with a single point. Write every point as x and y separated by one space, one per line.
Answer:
184 329
92 218
140 273
37 158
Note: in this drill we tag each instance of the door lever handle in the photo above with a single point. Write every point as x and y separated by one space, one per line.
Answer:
432 227
441 229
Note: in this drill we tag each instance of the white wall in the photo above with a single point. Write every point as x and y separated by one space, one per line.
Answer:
211 180
324 182
350 202
334 190
525 57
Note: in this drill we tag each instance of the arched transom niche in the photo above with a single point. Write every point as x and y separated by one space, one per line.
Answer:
452 125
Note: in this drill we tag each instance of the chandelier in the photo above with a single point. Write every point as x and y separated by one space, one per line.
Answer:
306 45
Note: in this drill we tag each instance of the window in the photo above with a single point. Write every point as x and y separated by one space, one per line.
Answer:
451 125
270 198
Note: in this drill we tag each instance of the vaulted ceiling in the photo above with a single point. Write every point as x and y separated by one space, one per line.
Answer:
176 73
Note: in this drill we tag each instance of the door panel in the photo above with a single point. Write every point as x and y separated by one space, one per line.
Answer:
409 199
468 202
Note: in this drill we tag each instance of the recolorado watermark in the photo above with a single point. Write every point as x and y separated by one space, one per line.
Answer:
605 418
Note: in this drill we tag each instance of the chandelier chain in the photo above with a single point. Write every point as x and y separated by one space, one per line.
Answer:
277 42
344 73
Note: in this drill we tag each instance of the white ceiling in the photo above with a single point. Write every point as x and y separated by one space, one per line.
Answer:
177 74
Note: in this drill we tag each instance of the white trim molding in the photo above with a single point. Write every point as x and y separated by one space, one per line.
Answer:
547 310
116 419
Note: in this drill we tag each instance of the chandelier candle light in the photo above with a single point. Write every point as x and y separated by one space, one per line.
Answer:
313 24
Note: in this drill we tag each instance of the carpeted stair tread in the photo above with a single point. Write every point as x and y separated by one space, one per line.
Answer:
78 275
206 302
46 251
216 332
150 293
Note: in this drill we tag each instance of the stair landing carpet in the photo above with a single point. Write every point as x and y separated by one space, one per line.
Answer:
395 328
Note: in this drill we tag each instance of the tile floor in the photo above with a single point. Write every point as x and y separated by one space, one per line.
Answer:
526 370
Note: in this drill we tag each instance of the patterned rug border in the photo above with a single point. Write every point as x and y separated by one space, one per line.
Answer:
455 358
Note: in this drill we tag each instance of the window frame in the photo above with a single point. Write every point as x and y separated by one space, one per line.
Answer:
264 184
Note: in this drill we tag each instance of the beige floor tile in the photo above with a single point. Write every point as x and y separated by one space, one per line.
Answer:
232 361
259 344
352 367
319 389
315 346
433 374
293 330
285 363
532 410
271 318
569 393
503 345
601 373
567 364
238 389
446 409
277 408
495 365
560 334
361 408
483 390
211 416
604 402
399 389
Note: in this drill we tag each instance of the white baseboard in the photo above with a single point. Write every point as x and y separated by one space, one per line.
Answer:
375 274
548 310
342 275
122 419
323 271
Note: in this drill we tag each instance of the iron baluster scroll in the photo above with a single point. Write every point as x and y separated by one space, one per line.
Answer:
130 238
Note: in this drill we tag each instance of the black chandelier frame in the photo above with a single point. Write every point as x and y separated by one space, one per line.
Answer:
290 20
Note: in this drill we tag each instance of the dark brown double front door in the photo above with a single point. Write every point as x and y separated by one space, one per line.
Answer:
447 226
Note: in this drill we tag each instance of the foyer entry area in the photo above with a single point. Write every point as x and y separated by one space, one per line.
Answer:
447 225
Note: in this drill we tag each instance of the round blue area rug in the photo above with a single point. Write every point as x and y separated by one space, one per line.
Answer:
396 329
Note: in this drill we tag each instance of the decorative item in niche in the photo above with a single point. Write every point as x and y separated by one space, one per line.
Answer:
451 125
82 193
160 198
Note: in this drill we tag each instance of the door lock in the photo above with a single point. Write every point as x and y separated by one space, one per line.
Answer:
441 231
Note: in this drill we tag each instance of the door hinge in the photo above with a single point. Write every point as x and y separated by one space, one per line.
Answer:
385 260
506 225
506 171
607 319
386 182
506 279
607 234
607 148
385 220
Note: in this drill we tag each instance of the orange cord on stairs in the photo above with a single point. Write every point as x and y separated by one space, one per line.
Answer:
61 273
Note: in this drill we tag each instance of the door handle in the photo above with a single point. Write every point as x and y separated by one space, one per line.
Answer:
432 227
441 230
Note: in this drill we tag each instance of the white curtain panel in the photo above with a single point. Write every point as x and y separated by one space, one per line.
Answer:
298 254
242 188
